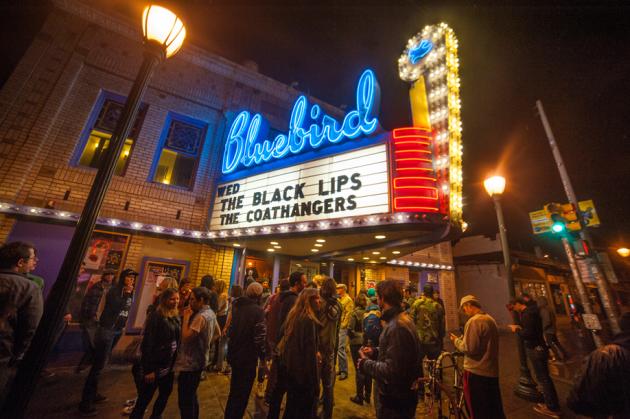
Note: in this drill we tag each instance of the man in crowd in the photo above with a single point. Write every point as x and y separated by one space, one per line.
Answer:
531 332
272 315
25 306
246 346
287 299
330 317
480 345
603 389
199 327
347 306
410 297
88 317
428 317
396 363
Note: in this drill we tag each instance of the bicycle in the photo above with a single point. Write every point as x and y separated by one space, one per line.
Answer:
437 393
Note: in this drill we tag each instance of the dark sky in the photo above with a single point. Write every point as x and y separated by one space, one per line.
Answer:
574 56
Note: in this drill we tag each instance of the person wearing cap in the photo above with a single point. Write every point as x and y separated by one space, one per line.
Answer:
246 346
530 330
111 323
480 345
88 316
347 306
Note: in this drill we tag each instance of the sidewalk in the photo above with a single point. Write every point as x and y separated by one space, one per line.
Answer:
58 397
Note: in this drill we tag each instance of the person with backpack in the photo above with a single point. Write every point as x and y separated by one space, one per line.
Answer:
355 333
330 318
372 329
428 316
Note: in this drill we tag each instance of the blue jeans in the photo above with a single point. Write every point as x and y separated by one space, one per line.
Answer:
538 357
343 356
328 384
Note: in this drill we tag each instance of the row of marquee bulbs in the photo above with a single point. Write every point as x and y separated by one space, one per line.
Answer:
420 264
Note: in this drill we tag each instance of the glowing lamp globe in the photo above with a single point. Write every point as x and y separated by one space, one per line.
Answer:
624 252
494 185
162 27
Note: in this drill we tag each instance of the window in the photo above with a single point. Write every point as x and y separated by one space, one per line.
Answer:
180 151
102 130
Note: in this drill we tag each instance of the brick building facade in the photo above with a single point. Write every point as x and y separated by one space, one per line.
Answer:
65 92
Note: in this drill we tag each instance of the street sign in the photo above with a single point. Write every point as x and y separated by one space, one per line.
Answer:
542 221
591 322
589 215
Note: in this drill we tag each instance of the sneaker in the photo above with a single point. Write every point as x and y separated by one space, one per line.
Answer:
99 398
87 412
544 410
203 376
343 376
260 390
226 371
127 410
357 400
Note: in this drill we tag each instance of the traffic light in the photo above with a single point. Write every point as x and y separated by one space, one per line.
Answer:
563 217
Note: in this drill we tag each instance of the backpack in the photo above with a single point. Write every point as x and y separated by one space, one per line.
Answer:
426 315
372 327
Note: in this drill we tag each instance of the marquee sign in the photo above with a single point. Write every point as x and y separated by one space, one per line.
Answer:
343 185
309 129
430 64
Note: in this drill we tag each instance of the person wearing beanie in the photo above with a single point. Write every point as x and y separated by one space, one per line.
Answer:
603 388
246 346
480 345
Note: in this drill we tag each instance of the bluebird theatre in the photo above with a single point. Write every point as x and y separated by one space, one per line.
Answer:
338 194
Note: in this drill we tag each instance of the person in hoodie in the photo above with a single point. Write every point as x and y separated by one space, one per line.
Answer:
330 318
603 389
111 323
246 346
548 317
531 332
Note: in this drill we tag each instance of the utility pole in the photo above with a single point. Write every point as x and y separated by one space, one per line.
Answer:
592 260
586 303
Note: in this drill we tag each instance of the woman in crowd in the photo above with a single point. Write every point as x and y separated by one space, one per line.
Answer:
159 350
219 349
355 333
300 356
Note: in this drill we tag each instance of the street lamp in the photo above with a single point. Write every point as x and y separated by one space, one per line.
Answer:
526 388
163 34
624 252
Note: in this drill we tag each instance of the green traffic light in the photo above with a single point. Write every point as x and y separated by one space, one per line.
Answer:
557 227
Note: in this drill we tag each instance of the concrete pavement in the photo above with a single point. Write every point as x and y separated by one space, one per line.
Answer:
59 396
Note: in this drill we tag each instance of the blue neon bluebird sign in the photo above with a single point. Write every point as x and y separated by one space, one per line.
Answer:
309 129
420 51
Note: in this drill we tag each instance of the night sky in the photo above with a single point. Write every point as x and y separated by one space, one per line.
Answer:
576 59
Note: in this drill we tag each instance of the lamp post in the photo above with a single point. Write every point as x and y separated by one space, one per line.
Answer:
163 35
526 388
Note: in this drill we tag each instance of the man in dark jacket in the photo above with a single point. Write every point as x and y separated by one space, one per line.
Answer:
89 315
297 282
330 318
26 306
396 363
531 331
111 323
246 346
603 389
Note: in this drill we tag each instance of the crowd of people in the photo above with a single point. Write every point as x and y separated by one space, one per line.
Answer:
299 341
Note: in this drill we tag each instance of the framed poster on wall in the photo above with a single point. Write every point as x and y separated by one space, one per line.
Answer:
152 273
106 250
